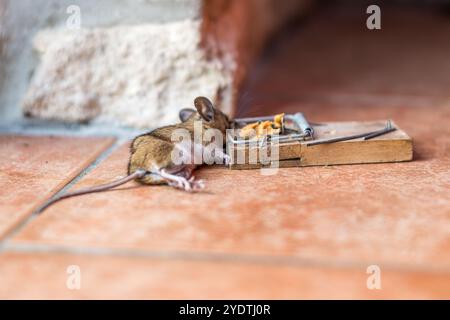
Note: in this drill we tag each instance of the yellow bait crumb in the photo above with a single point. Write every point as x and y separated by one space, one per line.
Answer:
260 129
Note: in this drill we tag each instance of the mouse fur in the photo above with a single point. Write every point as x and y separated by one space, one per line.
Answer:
152 151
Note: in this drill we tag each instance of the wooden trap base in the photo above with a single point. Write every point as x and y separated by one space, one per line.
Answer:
395 146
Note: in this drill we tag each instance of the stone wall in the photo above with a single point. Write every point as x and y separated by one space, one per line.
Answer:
26 19
136 76
132 63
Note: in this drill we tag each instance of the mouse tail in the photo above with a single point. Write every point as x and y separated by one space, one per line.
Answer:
138 174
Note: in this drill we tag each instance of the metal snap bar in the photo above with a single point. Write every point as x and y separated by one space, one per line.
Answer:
368 135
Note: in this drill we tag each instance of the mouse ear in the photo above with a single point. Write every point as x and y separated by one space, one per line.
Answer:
185 114
205 108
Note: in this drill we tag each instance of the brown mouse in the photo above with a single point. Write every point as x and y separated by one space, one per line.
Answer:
153 151
152 161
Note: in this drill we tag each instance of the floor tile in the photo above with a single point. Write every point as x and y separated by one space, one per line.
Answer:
33 168
45 276
371 213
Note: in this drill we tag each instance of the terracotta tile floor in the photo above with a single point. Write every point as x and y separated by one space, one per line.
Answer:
45 275
32 169
303 233
246 213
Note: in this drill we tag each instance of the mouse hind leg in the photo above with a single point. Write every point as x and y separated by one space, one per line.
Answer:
153 179
182 178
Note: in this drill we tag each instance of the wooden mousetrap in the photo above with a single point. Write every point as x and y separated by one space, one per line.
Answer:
300 143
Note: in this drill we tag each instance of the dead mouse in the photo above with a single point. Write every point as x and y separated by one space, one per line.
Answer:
151 161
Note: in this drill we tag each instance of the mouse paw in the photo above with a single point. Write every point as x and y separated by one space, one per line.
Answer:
190 185
181 184
197 185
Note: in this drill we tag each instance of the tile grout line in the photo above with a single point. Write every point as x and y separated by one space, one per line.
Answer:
260 259
103 155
